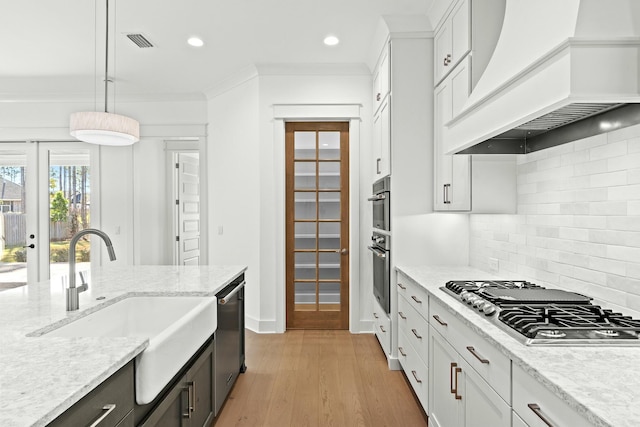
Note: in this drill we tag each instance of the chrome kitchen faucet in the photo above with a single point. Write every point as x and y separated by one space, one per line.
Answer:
73 291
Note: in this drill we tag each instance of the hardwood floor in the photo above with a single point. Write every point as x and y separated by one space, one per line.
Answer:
319 378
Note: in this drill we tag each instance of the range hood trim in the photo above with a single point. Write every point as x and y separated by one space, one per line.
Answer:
566 59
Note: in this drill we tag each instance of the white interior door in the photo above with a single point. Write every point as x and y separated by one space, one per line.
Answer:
187 217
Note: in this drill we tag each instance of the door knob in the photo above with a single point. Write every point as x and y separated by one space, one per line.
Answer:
342 251
30 246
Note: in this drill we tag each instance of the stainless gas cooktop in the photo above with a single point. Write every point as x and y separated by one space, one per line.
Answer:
535 315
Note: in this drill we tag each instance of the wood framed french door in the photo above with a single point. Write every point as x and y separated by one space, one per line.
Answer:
317 225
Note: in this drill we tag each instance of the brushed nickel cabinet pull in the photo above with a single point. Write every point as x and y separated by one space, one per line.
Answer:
109 408
439 320
536 410
378 97
416 334
477 356
401 314
186 413
378 166
375 315
458 397
416 377
401 350
401 286
453 365
382 329
413 297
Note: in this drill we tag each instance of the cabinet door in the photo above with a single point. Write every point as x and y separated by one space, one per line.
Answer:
442 51
452 172
382 141
200 383
172 411
444 408
460 34
482 405
381 79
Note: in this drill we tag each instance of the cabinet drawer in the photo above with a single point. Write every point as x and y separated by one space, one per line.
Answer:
116 390
492 365
414 293
382 327
534 403
415 327
414 368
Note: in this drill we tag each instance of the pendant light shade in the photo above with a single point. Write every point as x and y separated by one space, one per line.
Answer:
104 128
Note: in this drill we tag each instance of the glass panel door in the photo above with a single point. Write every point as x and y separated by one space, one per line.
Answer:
68 205
317 225
14 174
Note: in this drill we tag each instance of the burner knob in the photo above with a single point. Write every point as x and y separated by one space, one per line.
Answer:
478 303
489 309
464 294
469 298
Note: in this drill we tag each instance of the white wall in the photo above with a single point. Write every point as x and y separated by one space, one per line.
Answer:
246 167
233 157
578 221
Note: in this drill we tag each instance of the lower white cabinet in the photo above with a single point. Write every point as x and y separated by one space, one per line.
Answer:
538 406
458 396
382 327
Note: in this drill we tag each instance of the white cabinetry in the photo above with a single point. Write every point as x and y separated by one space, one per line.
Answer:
470 381
413 336
452 172
538 407
382 327
381 78
451 41
382 140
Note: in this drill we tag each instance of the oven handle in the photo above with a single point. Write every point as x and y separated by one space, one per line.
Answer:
377 252
377 197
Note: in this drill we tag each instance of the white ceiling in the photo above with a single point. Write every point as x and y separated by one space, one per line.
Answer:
56 47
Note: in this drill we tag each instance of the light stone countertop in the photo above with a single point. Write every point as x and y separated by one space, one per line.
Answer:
601 383
40 377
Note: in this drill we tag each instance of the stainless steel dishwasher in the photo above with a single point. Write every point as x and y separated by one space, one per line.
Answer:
229 339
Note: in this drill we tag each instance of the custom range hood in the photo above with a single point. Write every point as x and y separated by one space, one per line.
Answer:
560 71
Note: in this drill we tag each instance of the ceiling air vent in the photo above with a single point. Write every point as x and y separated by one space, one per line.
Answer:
140 40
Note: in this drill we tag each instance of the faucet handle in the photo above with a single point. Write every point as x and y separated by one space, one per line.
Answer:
83 285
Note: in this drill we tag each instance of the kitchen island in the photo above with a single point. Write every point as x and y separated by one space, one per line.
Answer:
599 383
40 376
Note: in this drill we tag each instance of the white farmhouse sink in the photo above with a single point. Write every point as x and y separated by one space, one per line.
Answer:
176 327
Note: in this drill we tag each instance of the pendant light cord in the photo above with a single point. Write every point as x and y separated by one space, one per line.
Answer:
106 58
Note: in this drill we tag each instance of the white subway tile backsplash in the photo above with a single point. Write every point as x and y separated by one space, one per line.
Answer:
578 220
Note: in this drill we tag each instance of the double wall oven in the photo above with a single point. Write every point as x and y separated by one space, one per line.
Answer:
381 242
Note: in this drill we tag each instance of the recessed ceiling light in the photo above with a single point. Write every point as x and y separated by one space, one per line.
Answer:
331 40
195 42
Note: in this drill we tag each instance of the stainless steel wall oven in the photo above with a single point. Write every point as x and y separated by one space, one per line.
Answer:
381 202
380 245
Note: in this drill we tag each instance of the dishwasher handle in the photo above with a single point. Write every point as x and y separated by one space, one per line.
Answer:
223 299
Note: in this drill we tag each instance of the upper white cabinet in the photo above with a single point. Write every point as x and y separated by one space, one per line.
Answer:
381 79
480 184
452 174
382 140
451 41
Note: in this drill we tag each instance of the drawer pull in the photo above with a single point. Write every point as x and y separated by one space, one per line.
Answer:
413 297
401 286
477 356
458 397
375 315
401 350
536 410
416 377
109 408
439 320
382 329
416 334
401 314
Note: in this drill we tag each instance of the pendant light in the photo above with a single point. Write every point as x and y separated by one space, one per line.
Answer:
104 128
